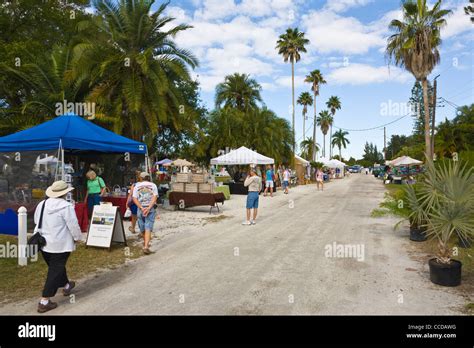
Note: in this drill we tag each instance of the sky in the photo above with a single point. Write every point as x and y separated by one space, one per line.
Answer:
347 43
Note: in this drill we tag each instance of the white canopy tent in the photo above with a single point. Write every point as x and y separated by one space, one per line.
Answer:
242 156
404 161
333 163
302 160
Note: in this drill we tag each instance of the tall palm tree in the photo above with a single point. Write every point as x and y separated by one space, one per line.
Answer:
135 65
238 91
324 121
305 99
306 147
316 79
333 104
290 45
339 139
414 46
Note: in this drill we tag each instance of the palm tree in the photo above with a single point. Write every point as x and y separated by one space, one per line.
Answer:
324 121
238 91
333 104
135 65
305 99
414 46
306 147
45 83
315 78
290 45
339 139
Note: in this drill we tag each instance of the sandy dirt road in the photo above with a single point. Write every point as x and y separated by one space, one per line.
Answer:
277 266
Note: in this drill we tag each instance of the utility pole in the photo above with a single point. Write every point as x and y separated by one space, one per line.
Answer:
434 113
384 144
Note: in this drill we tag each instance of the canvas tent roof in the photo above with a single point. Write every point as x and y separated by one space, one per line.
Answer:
404 161
333 163
301 160
74 133
163 162
242 156
181 163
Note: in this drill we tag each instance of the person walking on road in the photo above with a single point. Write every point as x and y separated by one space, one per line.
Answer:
254 184
56 221
269 178
286 179
320 179
131 204
145 194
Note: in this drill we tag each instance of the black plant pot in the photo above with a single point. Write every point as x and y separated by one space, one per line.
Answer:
417 234
463 242
445 274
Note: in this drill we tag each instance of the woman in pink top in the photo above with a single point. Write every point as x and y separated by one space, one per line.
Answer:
319 179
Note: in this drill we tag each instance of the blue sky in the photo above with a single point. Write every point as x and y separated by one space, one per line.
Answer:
347 41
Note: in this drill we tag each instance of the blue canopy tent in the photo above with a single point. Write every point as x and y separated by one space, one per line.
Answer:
71 133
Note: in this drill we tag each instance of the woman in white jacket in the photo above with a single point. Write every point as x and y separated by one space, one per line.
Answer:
61 230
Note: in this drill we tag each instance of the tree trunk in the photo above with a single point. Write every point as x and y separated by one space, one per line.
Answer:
433 118
324 145
340 155
293 108
330 143
315 157
304 125
427 118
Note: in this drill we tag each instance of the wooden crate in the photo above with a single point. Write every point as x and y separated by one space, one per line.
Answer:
183 177
191 187
199 178
206 188
177 187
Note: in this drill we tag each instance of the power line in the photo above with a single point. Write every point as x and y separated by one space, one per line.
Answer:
373 128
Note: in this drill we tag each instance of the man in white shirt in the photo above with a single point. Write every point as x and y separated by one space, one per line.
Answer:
145 194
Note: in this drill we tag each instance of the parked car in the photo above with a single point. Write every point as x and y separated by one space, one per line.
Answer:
355 169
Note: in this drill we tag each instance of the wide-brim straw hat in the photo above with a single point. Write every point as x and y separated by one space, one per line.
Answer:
58 189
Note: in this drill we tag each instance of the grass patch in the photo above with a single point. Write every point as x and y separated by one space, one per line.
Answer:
17 283
394 203
216 218
376 213
470 308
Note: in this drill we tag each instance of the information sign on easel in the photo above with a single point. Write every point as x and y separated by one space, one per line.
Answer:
106 226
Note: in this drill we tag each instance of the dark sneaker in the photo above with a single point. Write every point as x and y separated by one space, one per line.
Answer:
67 292
47 307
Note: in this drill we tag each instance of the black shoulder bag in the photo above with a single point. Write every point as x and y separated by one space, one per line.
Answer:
37 240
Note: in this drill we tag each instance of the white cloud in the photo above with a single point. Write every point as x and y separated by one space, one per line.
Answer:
329 32
360 74
285 81
214 9
344 5
458 22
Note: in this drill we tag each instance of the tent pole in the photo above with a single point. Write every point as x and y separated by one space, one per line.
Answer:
62 169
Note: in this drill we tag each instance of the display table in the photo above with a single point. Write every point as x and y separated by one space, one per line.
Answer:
237 188
118 201
189 199
224 189
222 178
82 218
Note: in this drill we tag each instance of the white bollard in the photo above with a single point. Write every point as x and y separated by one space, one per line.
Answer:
22 242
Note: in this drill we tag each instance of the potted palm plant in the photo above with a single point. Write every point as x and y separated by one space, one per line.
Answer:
446 197
417 216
